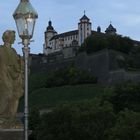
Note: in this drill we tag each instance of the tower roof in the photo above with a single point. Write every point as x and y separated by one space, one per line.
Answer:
84 17
50 27
98 29
110 28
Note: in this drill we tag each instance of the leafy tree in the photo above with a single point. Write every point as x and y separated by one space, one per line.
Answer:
78 76
126 95
100 41
134 57
85 120
94 43
34 118
34 121
68 76
127 126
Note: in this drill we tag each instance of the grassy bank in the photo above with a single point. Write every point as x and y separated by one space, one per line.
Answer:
51 97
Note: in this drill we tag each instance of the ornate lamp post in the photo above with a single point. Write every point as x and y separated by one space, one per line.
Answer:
25 17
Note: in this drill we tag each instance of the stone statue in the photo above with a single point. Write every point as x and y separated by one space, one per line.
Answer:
11 81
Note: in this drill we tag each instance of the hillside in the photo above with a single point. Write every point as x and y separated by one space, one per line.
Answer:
75 112
128 47
51 97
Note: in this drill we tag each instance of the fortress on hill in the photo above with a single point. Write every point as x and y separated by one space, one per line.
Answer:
55 42
60 51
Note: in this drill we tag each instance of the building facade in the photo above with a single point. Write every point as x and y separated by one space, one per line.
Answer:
69 41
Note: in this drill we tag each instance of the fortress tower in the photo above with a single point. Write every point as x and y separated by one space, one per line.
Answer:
84 29
111 30
49 33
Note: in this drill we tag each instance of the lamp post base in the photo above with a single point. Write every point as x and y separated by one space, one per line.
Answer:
11 134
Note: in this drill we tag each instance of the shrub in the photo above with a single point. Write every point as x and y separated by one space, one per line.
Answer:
127 126
85 120
67 76
98 42
126 95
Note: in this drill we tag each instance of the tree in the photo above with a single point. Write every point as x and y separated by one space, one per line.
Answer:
126 95
94 43
133 59
85 120
34 121
100 41
127 126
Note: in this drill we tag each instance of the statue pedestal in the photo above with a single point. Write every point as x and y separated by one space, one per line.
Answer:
11 134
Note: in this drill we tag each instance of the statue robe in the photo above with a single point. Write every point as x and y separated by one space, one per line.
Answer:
11 81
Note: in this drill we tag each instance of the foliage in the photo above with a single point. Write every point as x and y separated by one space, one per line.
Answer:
98 115
36 81
125 45
133 60
34 118
98 42
127 126
67 76
85 120
51 97
126 95
34 121
94 43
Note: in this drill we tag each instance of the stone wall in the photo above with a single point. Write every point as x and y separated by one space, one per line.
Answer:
107 65
69 52
41 64
97 64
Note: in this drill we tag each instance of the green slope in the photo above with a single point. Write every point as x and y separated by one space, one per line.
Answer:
51 97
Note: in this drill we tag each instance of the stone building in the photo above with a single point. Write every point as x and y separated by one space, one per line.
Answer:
59 52
67 43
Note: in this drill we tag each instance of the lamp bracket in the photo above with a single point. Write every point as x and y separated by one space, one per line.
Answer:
29 42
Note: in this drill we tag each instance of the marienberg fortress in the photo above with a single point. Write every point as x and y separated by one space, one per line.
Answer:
60 51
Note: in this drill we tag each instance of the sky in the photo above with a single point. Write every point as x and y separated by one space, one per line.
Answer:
65 14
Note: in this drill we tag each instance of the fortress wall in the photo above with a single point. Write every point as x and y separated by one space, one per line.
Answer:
97 64
103 64
43 66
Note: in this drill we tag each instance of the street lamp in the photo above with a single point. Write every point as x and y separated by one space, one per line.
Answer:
25 17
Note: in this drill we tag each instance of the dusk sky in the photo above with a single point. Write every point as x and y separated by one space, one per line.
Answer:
65 15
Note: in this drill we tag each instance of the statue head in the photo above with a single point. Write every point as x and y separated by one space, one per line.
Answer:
8 36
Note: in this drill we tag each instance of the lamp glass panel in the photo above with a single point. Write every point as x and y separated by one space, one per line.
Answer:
25 27
30 23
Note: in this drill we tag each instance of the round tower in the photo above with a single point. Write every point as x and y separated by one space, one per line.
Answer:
98 29
49 33
84 29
